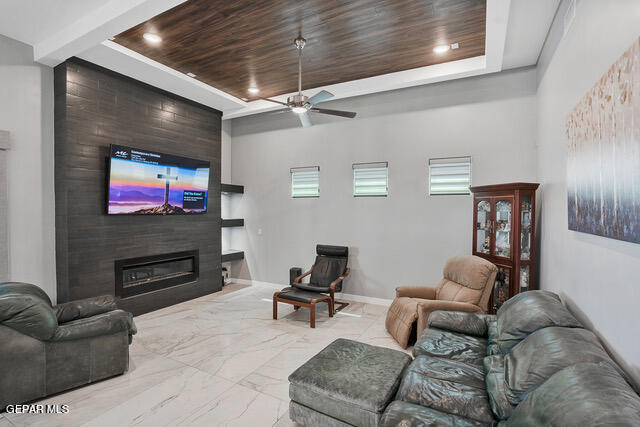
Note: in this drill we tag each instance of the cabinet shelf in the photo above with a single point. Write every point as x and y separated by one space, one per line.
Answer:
231 189
232 255
236 222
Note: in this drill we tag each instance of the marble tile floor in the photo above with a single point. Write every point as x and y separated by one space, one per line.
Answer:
216 360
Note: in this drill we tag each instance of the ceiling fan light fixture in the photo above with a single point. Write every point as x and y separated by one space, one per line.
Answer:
152 38
440 49
253 90
299 110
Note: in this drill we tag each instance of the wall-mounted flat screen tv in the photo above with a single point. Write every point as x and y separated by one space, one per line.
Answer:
143 182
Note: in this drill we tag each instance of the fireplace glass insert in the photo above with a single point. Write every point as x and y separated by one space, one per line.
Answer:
136 276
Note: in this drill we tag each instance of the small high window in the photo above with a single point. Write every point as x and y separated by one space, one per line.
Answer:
450 175
305 182
370 179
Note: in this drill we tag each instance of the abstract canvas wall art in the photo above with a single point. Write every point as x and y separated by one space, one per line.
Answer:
603 165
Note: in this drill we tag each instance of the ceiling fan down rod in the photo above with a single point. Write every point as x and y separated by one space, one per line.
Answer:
300 72
299 43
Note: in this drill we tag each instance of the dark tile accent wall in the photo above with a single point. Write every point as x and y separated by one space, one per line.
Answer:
94 108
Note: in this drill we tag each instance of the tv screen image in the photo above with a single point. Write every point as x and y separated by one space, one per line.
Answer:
148 183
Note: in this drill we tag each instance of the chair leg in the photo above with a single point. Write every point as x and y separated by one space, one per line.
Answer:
275 309
341 305
330 304
312 315
296 307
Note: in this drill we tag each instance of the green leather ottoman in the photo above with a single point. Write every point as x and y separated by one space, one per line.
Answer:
348 382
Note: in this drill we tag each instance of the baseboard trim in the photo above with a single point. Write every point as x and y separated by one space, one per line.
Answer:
348 297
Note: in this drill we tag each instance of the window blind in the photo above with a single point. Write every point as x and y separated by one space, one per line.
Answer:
370 179
450 175
305 182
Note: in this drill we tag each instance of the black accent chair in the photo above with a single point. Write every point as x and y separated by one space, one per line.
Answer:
327 275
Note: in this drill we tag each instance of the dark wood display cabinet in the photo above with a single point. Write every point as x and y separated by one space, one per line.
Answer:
503 233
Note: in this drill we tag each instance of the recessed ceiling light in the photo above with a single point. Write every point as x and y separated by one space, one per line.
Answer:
153 38
245 99
253 90
455 45
441 48
191 75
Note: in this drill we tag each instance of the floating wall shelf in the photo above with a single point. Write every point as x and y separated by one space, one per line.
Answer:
231 188
238 222
232 255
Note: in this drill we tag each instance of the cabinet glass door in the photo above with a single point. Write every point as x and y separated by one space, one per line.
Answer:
483 227
525 228
524 278
502 287
503 229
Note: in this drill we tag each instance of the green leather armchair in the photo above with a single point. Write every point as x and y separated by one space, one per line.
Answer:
47 349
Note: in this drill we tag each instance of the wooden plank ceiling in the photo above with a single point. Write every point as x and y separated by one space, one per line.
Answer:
233 45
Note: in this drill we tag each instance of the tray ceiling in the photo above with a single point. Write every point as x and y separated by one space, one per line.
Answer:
238 44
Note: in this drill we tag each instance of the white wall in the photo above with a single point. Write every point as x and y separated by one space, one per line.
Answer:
226 201
598 277
4 252
406 237
26 111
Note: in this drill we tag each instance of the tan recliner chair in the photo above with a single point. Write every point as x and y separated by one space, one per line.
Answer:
466 286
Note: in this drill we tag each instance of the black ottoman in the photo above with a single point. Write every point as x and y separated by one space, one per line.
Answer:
347 383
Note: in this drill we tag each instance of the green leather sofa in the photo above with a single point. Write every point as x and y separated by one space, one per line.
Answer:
531 364
47 349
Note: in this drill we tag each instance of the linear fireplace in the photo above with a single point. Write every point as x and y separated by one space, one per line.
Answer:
136 276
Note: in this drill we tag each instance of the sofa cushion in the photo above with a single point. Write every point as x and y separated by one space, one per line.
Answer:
465 279
528 312
404 414
449 386
492 340
459 321
451 345
470 271
494 369
350 381
545 352
449 290
584 394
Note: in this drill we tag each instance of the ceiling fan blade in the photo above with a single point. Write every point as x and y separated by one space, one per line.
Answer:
273 100
323 95
305 120
348 114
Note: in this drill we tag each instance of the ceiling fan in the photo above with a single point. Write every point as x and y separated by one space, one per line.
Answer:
300 104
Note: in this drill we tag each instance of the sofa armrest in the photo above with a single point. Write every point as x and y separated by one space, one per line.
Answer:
462 322
102 324
423 292
83 308
426 307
